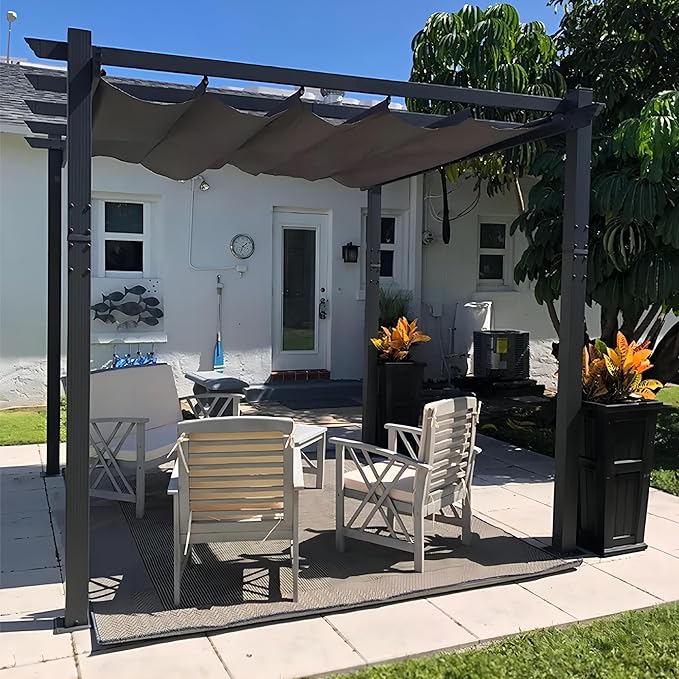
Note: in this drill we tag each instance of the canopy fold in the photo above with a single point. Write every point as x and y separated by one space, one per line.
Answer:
377 146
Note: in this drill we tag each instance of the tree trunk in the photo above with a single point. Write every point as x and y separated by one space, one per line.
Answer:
629 324
645 322
665 357
609 325
551 309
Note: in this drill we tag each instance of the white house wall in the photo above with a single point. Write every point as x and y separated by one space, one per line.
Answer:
235 203
450 277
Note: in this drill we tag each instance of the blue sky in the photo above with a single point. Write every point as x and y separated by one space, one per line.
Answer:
362 37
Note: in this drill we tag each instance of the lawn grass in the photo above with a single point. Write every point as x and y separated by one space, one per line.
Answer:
27 425
522 427
636 645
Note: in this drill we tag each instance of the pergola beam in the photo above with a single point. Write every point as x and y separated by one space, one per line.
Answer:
233 70
80 79
569 434
83 63
371 313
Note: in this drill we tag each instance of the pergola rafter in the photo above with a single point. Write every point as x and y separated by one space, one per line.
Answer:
572 116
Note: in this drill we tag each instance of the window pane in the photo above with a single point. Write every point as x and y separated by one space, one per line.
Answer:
124 255
387 263
491 267
124 217
299 290
493 236
388 230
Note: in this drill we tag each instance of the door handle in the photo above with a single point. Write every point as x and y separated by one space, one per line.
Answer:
323 308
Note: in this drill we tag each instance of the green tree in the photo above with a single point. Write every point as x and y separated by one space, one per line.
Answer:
628 52
492 50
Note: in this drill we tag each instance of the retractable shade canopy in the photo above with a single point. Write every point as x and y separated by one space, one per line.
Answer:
377 146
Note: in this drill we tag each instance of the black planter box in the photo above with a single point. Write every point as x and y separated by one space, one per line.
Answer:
399 395
615 471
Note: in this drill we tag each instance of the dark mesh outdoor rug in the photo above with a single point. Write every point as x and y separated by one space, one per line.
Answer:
239 584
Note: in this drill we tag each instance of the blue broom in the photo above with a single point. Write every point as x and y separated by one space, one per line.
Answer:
218 360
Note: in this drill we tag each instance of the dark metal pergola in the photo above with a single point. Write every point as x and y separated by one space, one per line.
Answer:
572 116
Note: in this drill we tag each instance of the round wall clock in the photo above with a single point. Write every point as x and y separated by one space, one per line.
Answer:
242 246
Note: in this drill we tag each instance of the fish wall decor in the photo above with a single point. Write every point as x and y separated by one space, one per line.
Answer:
117 307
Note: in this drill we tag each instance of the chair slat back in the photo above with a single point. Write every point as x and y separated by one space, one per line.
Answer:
237 469
138 391
448 437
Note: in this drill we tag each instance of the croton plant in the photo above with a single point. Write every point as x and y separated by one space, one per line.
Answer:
394 344
615 375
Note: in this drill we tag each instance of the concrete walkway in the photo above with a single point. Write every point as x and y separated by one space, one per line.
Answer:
512 490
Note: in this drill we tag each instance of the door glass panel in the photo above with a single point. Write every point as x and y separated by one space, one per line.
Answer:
299 289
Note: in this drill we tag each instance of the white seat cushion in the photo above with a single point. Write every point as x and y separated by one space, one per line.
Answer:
402 490
159 442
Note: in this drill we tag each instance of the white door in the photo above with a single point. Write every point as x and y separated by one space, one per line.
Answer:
301 306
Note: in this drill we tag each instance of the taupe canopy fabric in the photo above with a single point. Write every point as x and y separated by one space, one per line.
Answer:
375 147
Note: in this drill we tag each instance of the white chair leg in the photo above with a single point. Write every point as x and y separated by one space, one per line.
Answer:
466 522
295 547
320 462
418 522
339 498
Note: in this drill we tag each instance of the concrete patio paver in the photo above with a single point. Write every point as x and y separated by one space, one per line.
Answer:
24 459
22 525
27 640
635 570
183 658
511 490
493 612
22 554
289 649
20 501
399 630
33 590
662 533
663 505
590 593
56 669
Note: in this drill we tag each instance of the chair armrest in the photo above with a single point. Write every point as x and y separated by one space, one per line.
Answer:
213 394
416 431
297 473
477 450
124 420
173 485
376 450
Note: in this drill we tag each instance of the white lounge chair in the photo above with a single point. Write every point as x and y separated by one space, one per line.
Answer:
434 476
133 420
235 479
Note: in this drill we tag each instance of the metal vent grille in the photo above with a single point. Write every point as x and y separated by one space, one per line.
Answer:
502 354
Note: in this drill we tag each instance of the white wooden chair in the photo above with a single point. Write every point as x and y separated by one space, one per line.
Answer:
432 480
133 420
235 479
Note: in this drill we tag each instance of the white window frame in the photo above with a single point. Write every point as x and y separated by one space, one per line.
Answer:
507 280
100 235
399 272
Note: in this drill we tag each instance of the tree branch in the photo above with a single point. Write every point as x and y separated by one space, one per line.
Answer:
551 308
646 321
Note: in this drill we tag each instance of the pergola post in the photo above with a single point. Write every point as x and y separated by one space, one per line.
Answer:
371 312
79 156
569 434
54 167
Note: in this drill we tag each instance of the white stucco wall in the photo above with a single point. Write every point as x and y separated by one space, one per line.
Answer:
235 203
450 272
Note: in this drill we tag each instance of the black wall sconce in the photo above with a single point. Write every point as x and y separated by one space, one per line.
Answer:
350 253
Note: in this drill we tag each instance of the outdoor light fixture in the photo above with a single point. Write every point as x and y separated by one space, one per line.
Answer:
203 186
350 253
